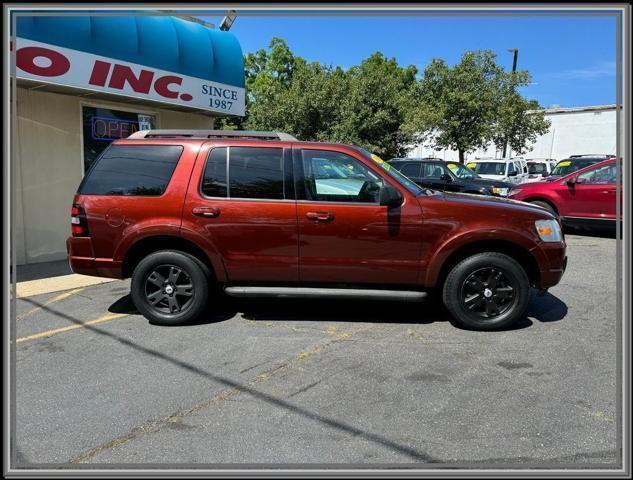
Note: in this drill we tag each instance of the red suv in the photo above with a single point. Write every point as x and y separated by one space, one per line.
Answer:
261 214
585 197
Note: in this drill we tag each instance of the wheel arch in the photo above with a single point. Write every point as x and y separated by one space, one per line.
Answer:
544 200
519 253
155 243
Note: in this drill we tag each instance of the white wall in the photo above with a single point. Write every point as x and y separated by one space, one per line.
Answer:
571 132
48 167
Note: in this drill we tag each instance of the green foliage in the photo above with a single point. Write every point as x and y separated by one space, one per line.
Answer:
472 104
513 123
374 108
363 105
383 107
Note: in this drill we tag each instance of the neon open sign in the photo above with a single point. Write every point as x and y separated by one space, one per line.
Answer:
108 129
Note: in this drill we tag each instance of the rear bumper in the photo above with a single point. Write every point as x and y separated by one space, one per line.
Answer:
82 261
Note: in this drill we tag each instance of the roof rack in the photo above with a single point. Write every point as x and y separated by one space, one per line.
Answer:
213 134
591 155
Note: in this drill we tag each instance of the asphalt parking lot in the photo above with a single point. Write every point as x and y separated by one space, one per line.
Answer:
315 382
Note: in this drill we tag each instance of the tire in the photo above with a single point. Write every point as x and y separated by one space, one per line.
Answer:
158 287
545 205
470 288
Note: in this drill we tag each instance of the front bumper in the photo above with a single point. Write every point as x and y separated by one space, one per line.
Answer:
552 262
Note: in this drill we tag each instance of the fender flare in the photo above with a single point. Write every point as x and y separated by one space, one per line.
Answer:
142 232
453 244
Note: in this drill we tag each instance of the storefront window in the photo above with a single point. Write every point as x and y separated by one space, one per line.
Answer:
103 125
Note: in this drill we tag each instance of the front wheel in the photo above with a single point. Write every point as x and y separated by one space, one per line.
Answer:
487 291
170 287
545 205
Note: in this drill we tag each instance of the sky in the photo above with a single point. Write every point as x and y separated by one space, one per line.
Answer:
572 59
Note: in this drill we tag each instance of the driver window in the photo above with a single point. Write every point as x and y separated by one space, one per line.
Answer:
511 168
601 175
432 170
337 177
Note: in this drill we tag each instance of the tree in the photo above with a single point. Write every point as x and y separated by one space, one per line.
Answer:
267 73
363 105
518 121
374 109
472 104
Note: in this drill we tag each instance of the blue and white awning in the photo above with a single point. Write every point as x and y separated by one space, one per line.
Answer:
157 58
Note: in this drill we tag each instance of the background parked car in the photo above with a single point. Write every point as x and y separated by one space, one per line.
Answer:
575 163
539 168
511 171
583 198
448 176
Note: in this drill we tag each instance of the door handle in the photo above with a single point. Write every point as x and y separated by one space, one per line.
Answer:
209 212
320 216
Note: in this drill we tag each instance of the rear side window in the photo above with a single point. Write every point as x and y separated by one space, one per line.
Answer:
411 170
214 179
132 170
256 173
252 173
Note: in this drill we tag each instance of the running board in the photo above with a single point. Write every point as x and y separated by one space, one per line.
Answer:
339 293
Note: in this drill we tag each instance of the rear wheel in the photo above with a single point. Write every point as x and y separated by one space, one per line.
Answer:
170 287
486 291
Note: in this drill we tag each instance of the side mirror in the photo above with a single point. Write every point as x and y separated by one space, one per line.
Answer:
445 177
571 182
390 196
512 174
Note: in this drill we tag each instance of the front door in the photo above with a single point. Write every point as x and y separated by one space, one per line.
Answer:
241 200
345 235
593 194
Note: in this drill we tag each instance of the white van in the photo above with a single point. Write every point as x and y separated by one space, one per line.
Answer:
539 168
514 170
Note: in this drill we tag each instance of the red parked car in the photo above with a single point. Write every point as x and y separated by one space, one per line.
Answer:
583 198
261 214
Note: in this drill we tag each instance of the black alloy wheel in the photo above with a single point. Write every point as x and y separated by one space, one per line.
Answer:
487 292
171 287
168 289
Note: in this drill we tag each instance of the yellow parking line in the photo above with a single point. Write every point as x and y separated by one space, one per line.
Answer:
57 284
49 333
52 300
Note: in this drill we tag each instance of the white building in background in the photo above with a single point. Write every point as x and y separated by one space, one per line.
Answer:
577 130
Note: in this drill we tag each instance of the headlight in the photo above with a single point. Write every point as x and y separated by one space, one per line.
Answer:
500 191
548 230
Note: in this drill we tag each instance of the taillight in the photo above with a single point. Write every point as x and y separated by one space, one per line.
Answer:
79 222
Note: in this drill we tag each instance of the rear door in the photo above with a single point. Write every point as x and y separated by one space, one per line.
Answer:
593 195
241 202
345 235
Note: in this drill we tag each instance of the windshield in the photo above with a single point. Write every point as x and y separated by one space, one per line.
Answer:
565 167
535 168
488 168
461 171
395 174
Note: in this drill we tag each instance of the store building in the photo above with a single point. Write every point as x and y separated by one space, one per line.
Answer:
84 81
572 131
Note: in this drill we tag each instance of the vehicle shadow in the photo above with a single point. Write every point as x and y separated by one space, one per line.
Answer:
542 308
591 232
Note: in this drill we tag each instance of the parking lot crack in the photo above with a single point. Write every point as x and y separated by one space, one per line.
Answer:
249 388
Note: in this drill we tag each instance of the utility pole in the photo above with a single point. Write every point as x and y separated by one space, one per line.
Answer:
515 52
